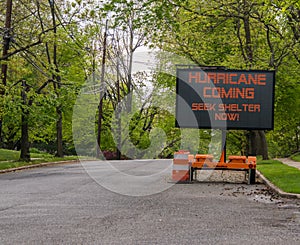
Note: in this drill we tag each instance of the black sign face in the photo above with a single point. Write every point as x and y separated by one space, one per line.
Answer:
226 99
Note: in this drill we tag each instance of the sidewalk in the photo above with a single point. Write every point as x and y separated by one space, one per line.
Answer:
289 162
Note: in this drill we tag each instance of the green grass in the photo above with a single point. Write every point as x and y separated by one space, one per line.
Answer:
6 155
10 159
296 157
283 176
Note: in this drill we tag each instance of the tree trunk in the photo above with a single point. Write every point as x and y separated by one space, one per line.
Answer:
1 141
264 145
100 112
25 146
129 75
297 140
102 85
6 39
118 108
257 138
253 143
257 144
119 138
6 42
59 134
56 79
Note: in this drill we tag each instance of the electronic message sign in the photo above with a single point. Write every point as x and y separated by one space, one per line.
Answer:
226 99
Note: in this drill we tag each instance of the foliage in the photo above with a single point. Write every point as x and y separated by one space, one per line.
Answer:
242 34
34 65
284 140
56 59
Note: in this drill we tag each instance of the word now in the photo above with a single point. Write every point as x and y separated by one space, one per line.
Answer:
227 116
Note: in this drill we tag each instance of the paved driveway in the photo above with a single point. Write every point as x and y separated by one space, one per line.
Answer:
63 205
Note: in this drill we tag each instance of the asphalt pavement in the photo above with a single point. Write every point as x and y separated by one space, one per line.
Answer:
135 202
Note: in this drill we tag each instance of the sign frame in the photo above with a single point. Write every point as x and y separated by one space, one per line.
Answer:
227 124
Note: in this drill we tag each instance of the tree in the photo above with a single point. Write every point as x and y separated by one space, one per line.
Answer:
236 34
42 64
6 42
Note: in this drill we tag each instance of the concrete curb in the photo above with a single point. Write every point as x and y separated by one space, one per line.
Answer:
275 188
36 166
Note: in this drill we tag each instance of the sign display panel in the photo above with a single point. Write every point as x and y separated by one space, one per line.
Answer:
226 99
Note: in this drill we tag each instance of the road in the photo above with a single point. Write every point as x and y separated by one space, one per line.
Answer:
67 204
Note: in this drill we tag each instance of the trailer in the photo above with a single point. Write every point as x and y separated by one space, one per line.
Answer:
214 97
185 165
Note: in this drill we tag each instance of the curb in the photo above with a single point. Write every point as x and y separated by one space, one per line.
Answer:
275 188
36 166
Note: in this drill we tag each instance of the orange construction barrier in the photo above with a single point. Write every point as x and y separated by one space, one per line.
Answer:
202 160
181 165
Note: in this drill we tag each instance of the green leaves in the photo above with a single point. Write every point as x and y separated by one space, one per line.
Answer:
205 32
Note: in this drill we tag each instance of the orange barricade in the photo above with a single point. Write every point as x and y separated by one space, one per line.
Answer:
202 160
181 166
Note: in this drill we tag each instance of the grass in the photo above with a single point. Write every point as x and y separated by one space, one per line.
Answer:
296 157
7 155
283 176
10 159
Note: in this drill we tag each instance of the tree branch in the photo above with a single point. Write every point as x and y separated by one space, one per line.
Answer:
39 41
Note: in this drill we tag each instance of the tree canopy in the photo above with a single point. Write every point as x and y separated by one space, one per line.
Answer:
52 48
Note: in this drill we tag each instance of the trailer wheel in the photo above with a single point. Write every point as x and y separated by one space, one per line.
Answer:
251 176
